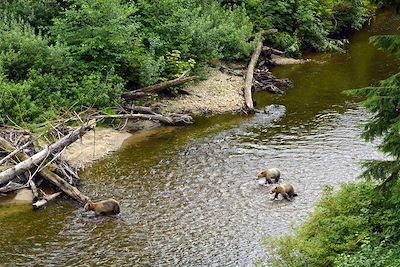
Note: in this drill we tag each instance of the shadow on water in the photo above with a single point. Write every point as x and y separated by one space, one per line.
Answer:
189 196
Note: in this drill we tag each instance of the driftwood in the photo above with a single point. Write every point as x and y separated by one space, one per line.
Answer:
249 77
11 186
140 109
31 162
272 50
157 87
70 190
230 71
13 153
44 200
264 80
48 153
171 119
48 175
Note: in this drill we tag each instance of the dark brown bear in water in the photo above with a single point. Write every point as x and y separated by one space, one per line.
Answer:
105 207
286 190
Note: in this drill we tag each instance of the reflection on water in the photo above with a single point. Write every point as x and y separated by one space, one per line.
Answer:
189 196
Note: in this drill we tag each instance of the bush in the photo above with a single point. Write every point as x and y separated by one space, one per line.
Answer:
201 31
40 81
308 23
38 13
371 256
344 228
98 33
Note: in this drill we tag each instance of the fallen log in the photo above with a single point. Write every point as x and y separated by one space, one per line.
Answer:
44 200
172 119
272 50
48 153
70 190
140 109
131 95
48 175
158 87
249 77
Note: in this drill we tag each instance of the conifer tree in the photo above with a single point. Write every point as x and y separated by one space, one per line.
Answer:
383 101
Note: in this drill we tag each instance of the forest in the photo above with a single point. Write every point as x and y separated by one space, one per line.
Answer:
63 56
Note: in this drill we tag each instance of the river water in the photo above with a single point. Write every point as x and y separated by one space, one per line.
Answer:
189 196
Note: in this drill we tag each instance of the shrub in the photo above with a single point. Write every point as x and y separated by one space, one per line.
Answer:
338 225
371 256
38 13
199 30
98 33
40 81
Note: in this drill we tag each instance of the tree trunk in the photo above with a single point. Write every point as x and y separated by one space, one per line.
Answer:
249 77
173 119
158 87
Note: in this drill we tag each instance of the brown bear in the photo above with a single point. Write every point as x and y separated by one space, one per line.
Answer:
104 207
286 190
266 176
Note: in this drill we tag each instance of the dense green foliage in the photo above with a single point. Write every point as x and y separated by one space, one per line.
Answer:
359 225
68 55
305 24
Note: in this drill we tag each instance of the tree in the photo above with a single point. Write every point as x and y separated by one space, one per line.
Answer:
99 33
358 225
383 101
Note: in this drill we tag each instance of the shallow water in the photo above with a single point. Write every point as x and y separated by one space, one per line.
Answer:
189 196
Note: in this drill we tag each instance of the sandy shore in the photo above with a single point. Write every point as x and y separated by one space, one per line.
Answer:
221 93
95 145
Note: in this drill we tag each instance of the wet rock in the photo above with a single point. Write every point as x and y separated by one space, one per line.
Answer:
275 112
24 196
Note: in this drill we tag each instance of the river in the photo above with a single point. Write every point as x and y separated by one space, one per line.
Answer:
189 196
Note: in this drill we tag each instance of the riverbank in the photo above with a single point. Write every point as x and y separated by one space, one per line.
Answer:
220 93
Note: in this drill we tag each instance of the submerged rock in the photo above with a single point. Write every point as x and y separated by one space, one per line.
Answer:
275 112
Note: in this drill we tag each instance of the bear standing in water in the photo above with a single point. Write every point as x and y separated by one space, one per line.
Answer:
105 207
286 190
266 176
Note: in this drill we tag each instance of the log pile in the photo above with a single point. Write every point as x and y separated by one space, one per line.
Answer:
263 79
26 163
